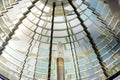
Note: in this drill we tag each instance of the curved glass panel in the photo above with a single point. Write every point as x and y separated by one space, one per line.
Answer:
90 35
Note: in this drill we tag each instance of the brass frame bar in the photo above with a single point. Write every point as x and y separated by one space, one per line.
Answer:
29 48
51 40
39 43
76 65
114 76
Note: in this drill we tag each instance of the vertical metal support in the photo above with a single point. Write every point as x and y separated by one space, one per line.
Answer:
51 40
60 69
74 55
29 48
90 40
35 69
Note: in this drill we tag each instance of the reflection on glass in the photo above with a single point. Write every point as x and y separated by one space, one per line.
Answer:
17 27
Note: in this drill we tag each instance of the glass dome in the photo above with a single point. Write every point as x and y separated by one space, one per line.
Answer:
31 29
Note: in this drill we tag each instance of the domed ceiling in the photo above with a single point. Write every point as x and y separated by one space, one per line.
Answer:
30 31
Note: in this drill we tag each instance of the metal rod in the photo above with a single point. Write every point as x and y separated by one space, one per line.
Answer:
51 40
60 69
